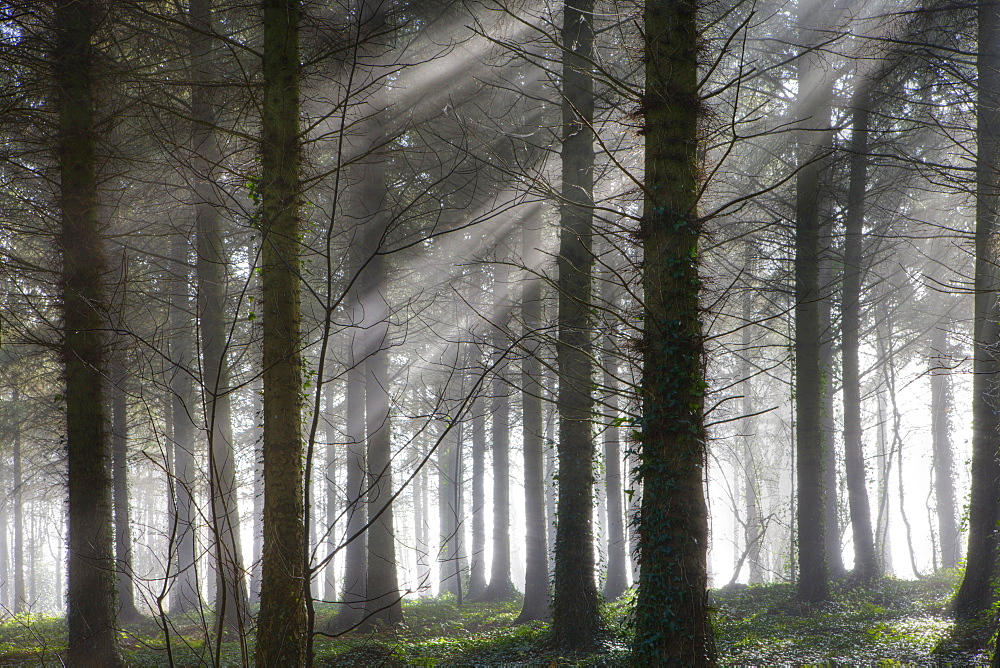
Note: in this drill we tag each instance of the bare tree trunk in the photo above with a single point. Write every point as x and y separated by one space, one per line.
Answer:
536 576
127 612
814 91
329 534
17 499
90 614
477 572
231 594
944 482
501 586
576 620
754 530
865 563
617 580
5 499
185 594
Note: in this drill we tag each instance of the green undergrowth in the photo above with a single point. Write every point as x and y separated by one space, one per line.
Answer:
890 623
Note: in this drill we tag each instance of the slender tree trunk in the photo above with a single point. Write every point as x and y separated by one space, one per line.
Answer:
576 620
185 594
448 515
211 268
477 572
329 534
831 500
754 531
977 594
91 605
383 602
672 623
884 460
501 586
17 499
944 470
536 572
127 611
355 553
811 525
5 500
865 563
281 625
617 580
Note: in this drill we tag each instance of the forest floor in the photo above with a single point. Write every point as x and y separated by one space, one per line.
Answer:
897 622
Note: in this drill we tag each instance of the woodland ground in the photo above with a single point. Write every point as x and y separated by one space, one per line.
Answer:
895 623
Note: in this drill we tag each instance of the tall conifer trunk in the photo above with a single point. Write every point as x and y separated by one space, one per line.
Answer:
576 621
976 594
91 604
865 563
281 625
672 624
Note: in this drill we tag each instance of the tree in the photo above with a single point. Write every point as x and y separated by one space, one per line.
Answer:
976 594
672 623
576 621
865 564
211 269
281 624
91 605
814 91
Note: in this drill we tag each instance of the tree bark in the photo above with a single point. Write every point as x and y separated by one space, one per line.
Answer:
17 498
185 594
865 562
576 620
617 580
501 585
211 269
477 570
976 593
672 623
811 523
281 625
942 404
127 611
536 572
91 604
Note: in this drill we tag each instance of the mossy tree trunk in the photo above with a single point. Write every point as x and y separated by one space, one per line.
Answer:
91 604
672 623
281 625
976 593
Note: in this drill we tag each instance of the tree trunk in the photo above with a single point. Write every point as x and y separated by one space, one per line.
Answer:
185 594
281 625
617 580
127 611
672 623
754 531
831 501
977 594
865 563
812 549
17 499
5 500
576 621
329 533
91 605
477 571
536 572
501 586
448 514
356 551
231 594
944 470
